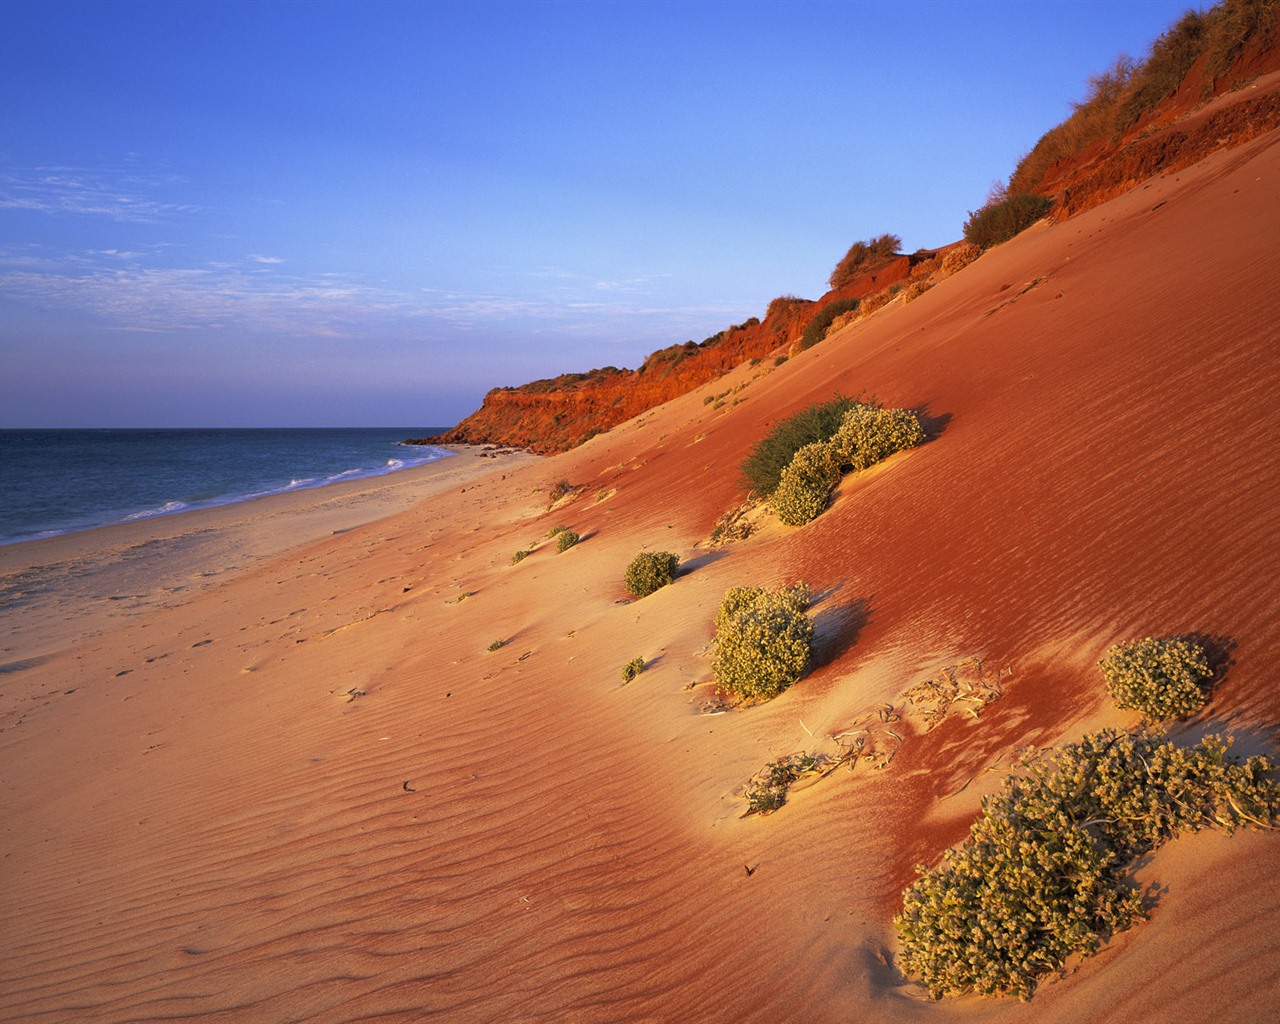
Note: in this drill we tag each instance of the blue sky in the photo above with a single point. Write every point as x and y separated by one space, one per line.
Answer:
287 214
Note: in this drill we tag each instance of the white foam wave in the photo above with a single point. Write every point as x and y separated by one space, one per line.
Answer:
167 508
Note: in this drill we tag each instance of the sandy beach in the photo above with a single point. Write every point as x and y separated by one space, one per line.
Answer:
261 764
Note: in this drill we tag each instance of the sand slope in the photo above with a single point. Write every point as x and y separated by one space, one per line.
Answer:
306 790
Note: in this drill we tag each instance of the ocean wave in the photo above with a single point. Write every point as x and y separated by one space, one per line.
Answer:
113 490
168 508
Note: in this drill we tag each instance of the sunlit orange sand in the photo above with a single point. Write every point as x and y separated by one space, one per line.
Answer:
304 789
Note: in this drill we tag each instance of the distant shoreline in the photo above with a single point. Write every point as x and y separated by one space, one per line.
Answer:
150 560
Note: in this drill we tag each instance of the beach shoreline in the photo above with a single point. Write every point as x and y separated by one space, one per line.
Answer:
135 565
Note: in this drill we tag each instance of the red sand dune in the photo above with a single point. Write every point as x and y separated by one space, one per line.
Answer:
308 792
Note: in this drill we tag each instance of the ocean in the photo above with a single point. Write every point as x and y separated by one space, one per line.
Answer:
61 481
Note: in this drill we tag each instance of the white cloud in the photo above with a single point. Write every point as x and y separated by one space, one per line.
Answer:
91 192
272 260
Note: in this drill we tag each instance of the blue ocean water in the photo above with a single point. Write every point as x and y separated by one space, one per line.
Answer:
59 481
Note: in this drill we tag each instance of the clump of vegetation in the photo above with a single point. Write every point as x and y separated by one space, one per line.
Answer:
767 791
555 531
497 645
783 305
763 640
820 325
958 257
869 434
650 571
762 468
1118 98
520 556
1161 677
1162 72
805 485
566 539
632 669
861 256
562 489
1041 876
1002 218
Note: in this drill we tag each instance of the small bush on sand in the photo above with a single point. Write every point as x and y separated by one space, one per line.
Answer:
762 468
806 484
869 434
520 556
1160 677
999 221
763 640
1042 874
820 326
862 256
767 791
566 539
497 645
650 571
632 669
562 489
556 531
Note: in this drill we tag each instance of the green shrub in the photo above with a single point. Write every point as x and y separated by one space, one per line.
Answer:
806 484
763 640
555 531
862 255
821 323
650 571
1000 221
1041 876
762 468
566 539
1161 677
869 434
497 645
632 669
562 489
520 556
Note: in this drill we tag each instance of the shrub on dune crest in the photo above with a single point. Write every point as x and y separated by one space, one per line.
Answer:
1000 220
862 256
821 325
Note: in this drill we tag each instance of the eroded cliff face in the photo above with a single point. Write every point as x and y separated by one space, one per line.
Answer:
1195 121
555 415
